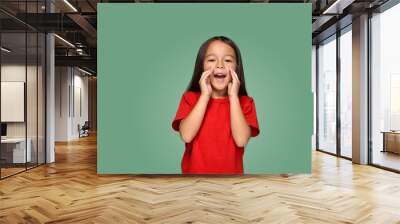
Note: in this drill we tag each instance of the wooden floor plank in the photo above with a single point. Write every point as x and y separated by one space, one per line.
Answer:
70 191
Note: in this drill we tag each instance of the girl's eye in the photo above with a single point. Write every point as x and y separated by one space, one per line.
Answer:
228 60
211 60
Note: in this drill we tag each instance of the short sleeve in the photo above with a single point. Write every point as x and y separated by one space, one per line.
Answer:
186 105
249 111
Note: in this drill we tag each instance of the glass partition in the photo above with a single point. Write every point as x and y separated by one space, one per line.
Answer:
14 153
22 63
31 100
327 95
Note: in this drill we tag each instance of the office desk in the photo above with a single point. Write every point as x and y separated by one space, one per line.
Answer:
13 150
391 141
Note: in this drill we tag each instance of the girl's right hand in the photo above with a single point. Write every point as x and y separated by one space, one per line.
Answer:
205 83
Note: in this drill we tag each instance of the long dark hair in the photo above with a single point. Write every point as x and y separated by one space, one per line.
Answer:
198 67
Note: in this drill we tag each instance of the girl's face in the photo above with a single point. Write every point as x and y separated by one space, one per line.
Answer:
219 56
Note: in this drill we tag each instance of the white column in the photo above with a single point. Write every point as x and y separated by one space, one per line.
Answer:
360 90
63 99
50 91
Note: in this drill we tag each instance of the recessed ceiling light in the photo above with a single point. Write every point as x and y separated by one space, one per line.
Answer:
64 40
337 7
5 50
70 5
84 71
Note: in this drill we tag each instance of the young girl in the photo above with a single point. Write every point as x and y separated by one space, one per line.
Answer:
215 117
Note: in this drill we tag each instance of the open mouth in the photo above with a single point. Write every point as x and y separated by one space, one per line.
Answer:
219 76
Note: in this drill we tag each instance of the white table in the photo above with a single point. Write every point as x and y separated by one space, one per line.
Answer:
19 155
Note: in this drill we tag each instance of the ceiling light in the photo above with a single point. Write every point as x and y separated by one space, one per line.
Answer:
337 7
329 9
5 50
84 71
70 5
64 40
79 51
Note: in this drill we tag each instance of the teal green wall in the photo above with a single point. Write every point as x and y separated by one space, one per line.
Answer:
146 55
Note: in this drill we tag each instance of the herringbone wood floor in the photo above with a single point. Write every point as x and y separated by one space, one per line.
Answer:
70 191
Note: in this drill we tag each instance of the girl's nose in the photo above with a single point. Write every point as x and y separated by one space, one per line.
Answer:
220 65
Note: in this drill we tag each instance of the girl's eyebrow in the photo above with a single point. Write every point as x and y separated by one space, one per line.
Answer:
208 55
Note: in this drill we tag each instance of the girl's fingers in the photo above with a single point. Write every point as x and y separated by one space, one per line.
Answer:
235 75
205 74
208 72
229 71
232 73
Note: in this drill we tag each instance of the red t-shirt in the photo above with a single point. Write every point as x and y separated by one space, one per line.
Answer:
213 150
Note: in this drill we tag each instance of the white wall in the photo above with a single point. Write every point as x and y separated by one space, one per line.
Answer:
71 92
79 117
16 72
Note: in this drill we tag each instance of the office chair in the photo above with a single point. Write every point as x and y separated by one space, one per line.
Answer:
84 130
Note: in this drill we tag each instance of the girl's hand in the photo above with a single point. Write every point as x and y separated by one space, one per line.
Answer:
205 83
233 86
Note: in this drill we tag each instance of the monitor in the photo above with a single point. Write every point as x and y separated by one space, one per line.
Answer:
3 129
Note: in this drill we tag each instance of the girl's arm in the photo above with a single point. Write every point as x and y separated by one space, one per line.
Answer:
240 129
190 125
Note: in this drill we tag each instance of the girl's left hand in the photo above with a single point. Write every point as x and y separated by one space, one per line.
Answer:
233 86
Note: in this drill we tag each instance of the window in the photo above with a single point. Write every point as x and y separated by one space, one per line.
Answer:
346 92
327 95
385 88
